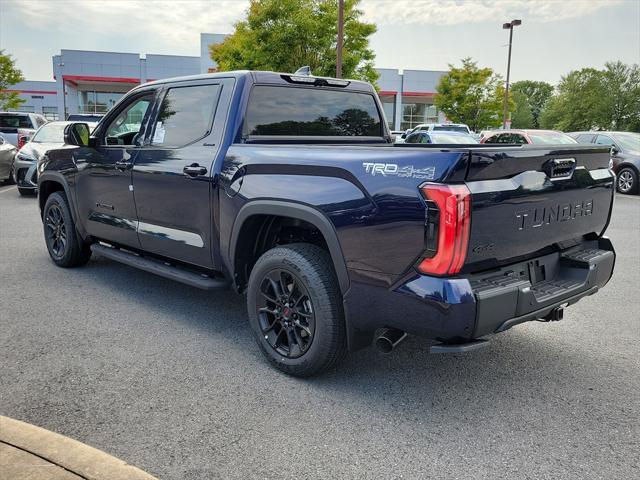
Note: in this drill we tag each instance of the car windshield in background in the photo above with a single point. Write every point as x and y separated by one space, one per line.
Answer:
550 138
443 137
51 133
628 141
84 118
14 121
450 128
312 112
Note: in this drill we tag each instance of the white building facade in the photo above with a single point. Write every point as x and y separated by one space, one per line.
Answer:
92 82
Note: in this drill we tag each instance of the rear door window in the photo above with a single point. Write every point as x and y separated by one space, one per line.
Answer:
296 111
185 115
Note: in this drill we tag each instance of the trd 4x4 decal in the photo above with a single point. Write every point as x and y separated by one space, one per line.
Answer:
387 169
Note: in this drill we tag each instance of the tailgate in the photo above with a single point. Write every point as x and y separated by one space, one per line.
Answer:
529 200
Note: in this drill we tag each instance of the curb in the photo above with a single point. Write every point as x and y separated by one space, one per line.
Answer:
78 458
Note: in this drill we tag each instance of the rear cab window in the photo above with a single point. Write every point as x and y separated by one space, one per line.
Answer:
11 121
311 112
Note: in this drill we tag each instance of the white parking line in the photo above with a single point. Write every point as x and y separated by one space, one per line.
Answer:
8 188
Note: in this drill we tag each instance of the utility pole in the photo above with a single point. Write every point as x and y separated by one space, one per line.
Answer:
508 26
340 42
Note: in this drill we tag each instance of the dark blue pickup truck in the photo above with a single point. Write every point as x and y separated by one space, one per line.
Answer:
288 188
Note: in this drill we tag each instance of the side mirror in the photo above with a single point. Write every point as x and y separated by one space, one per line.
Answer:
614 150
77 134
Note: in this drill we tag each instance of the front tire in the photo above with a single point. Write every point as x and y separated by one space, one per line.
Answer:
60 233
295 309
627 181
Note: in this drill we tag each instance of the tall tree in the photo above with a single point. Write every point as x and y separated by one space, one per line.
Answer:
621 92
537 94
9 75
284 35
522 115
471 95
579 103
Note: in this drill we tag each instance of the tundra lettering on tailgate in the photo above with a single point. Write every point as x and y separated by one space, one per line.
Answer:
538 217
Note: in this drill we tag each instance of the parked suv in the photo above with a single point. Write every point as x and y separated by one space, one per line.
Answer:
288 188
625 155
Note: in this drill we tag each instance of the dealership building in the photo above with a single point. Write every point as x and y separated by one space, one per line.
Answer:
92 82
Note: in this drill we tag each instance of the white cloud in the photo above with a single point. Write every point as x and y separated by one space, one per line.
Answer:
172 22
455 12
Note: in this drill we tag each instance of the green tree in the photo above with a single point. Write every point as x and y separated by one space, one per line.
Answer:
9 75
621 92
537 93
471 95
579 103
284 35
522 115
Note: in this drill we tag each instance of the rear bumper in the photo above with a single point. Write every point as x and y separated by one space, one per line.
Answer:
470 307
531 290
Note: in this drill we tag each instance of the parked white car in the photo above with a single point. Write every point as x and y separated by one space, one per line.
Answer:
443 127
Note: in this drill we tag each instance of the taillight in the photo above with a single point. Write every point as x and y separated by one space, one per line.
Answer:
446 229
22 139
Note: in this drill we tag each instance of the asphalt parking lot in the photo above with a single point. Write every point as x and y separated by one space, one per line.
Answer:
168 378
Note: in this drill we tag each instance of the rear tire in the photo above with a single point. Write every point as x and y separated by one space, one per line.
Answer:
627 181
12 177
295 309
60 233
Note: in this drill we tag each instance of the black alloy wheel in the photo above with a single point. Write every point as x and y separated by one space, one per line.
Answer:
65 247
285 313
55 231
296 310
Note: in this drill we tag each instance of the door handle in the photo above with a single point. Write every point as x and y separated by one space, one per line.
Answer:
123 165
194 170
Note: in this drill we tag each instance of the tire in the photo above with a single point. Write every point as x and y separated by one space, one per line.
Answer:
27 192
300 327
627 181
60 233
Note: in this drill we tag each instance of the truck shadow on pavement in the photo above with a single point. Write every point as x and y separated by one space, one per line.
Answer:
526 365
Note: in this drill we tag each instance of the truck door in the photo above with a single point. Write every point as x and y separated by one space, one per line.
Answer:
173 175
103 181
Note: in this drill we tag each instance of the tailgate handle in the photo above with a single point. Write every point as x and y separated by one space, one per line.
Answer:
560 167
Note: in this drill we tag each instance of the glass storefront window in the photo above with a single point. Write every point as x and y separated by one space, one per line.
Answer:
50 113
97 102
413 114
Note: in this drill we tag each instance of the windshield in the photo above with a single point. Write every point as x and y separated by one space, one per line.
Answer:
450 128
628 141
14 121
550 138
50 133
443 137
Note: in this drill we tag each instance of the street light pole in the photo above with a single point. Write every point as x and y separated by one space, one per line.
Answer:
340 38
508 26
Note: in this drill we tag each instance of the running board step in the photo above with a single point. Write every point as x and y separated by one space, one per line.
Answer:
160 268
458 347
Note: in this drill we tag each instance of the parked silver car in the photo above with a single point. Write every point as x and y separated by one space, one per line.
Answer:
7 156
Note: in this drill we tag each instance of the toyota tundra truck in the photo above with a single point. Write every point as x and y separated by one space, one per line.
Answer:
288 189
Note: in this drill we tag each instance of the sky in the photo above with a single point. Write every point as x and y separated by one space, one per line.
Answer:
556 36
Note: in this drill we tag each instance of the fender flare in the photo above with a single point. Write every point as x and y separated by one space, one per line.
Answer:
59 178
299 211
